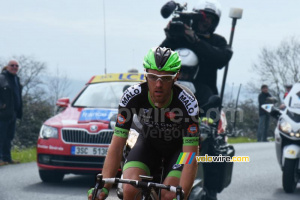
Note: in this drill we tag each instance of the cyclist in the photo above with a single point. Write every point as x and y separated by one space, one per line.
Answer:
169 115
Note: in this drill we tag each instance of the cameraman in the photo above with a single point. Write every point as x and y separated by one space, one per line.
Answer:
212 49
213 53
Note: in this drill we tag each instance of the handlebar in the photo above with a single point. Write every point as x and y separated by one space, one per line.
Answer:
138 184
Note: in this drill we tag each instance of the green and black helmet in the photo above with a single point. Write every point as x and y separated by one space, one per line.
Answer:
162 59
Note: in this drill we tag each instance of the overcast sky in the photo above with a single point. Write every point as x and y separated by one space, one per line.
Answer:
69 34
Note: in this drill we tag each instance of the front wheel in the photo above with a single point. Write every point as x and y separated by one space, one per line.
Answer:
153 195
290 175
51 176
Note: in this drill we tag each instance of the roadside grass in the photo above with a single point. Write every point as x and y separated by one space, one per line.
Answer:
233 140
24 155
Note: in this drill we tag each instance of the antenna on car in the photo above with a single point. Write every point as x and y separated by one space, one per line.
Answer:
104 36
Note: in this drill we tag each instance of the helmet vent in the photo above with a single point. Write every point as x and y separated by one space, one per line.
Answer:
161 56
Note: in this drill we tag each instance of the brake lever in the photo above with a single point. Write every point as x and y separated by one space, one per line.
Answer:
97 186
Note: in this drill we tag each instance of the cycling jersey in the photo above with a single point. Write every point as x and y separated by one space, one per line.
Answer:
165 129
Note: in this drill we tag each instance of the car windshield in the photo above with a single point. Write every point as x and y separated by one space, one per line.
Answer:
102 95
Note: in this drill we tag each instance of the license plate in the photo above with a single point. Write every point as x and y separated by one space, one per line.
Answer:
89 151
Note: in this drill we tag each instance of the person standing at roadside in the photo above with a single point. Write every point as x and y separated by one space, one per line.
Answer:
10 109
264 117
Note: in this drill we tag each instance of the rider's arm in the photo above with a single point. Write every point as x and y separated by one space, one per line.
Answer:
112 163
113 158
189 171
123 124
115 151
190 140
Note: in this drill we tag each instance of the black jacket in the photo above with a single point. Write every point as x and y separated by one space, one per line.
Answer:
262 98
8 96
213 54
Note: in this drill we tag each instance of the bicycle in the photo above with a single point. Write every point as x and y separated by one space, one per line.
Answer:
147 188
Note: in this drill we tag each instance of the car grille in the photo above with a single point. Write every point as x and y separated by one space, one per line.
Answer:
82 136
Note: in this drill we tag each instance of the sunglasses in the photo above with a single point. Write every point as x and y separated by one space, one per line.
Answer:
14 65
163 78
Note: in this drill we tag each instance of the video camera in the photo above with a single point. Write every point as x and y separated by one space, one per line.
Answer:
180 17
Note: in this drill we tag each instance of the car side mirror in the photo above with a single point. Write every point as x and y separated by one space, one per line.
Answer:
63 102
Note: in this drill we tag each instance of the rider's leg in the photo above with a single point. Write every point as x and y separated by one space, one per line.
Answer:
172 172
140 160
129 191
170 180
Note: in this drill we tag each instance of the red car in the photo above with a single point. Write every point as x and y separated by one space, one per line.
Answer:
77 139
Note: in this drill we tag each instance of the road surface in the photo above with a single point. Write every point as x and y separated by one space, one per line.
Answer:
260 179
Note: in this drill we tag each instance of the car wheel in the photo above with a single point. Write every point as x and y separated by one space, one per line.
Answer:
51 176
290 175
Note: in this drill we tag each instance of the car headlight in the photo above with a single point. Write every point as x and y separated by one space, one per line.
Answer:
285 127
132 138
48 132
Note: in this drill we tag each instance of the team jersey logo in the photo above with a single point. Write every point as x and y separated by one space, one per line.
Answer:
170 115
121 119
189 102
193 128
129 94
176 166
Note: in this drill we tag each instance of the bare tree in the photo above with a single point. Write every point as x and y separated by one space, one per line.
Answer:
58 86
279 66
